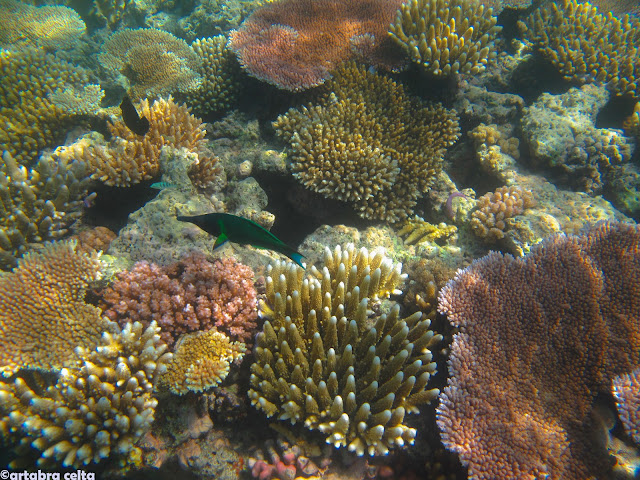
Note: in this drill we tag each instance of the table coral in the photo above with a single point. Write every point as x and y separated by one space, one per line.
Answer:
43 315
368 143
540 337
321 361
190 295
201 361
495 210
446 36
626 389
154 61
97 409
295 44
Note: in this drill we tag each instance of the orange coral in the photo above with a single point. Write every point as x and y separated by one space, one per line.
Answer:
295 44
494 210
540 337
43 316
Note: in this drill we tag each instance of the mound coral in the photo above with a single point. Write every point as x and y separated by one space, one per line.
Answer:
154 61
190 295
323 358
583 42
295 44
201 361
98 408
446 36
43 315
368 143
540 337
495 210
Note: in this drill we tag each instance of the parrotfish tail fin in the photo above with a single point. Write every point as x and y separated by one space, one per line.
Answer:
221 240
297 258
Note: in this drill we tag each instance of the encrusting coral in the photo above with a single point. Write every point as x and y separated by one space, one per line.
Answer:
494 211
295 44
368 143
43 314
540 337
585 43
190 295
154 61
446 36
98 407
201 360
325 360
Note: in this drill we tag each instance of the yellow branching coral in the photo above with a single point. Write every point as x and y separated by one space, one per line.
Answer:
154 61
50 27
98 408
324 360
43 315
416 230
495 210
129 158
37 204
201 360
583 42
368 143
446 36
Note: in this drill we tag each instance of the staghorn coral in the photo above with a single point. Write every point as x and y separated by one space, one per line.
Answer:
29 119
220 72
129 158
320 360
97 409
43 315
154 61
368 143
201 361
295 44
540 337
416 230
585 43
49 27
37 204
494 211
446 36
190 295
626 389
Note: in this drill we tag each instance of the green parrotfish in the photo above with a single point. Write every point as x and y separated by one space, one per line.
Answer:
242 231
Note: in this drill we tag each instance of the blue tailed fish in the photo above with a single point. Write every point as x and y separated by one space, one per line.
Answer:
242 231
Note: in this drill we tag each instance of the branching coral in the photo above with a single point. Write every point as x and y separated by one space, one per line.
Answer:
43 315
416 230
37 204
446 36
495 210
368 143
201 361
322 360
583 42
564 322
98 408
190 295
626 388
295 44
154 61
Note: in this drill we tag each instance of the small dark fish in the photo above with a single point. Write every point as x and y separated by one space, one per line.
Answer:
137 124
242 231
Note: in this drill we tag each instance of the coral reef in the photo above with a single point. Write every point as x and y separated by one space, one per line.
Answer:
201 361
37 204
49 27
96 239
564 322
417 230
29 119
368 143
495 211
110 12
321 361
220 72
190 295
285 460
154 62
584 43
626 388
295 44
445 36
128 158
98 408
43 315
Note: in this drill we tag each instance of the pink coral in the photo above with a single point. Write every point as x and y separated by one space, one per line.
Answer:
540 337
191 295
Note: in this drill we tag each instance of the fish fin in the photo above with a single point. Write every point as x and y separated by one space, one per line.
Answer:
221 240
297 258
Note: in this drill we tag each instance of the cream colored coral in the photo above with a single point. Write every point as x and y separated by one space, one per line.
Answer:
494 210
